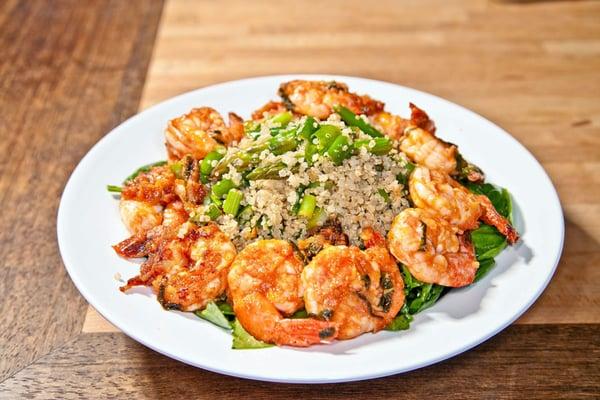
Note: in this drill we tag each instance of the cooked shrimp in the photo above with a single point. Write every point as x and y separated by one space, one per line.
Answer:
269 109
330 234
199 132
424 148
156 186
395 126
139 216
360 292
442 195
202 277
187 265
264 283
431 249
317 98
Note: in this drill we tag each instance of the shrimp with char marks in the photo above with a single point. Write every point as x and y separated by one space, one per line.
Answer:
440 194
359 291
395 126
265 286
431 249
317 98
200 131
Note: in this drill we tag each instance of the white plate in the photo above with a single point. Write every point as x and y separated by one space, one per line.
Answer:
88 224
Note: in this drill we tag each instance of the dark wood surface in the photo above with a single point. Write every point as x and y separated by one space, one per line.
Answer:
72 70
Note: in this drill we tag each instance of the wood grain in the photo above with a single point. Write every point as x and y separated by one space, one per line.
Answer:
524 362
69 72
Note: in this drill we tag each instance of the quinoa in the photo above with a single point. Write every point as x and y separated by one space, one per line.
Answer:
351 192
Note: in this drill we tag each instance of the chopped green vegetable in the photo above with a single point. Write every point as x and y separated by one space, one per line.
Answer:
282 118
318 218
221 188
309 151
377 146
307 206
339 150
283 143
245 214
243 340
213 314
352 119
270 171
177 169
226 309
231 205
309 127
206 166
114 188
403 178
213 211
384 195
300 314
325 136
144 168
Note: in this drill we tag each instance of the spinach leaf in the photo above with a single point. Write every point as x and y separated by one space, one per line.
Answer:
402 321
243 340
213 314
485 266
488 242
419 295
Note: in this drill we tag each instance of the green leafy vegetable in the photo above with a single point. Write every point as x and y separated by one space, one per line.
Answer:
488 242
419 295
485 266
212 313
243 340
402 321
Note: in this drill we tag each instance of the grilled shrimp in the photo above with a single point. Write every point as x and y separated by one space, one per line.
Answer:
317 98
187 265
265 286
139 216
442 195
269 109
154 187
203 276
395 126
431 249
359 291
199 132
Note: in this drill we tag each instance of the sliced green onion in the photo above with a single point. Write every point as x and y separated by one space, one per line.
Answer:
339 150
231 205
221 188
114 188
384 195
325 136
307 206
352 119
377 146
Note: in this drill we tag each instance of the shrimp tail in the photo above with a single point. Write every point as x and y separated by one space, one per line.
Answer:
305 332
492 217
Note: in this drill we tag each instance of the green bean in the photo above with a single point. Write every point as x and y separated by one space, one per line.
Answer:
384 195
352 120
206 166
325 136
339 150
307 206
221 188
377 146
231 205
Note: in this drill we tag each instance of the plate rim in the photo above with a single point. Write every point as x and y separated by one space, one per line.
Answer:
60 228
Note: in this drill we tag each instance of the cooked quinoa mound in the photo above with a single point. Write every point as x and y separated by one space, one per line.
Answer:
365 190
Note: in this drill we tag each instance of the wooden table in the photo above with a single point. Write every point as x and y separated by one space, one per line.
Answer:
70 71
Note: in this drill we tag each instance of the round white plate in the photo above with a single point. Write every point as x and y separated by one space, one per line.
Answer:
89 223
